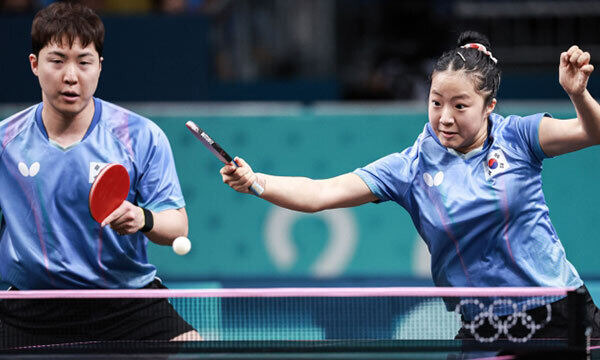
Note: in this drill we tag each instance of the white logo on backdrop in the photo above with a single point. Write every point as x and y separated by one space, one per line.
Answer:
339 249
29 170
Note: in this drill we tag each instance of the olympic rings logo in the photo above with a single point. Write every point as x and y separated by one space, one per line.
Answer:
502 326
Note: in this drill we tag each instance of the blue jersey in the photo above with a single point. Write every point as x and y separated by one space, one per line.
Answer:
48 238
483 214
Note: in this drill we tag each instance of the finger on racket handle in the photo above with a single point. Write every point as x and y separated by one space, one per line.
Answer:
218 151
255 187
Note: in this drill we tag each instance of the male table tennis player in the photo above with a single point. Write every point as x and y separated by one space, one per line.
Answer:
49 156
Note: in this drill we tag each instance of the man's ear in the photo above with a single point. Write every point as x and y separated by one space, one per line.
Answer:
101 60
33 62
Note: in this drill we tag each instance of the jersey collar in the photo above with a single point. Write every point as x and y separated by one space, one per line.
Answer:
95 119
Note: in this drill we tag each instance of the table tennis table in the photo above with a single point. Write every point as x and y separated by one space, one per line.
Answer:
322 349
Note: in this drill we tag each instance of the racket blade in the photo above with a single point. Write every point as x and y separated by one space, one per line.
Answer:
209 143
109 190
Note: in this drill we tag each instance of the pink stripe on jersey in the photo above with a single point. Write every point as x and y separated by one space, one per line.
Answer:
445 222
506 212
121 128
37 216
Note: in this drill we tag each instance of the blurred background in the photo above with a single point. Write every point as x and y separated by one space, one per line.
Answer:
317 88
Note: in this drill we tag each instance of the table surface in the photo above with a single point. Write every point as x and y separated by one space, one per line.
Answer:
328 349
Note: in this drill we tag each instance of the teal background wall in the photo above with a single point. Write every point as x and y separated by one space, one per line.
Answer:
230 231
236 235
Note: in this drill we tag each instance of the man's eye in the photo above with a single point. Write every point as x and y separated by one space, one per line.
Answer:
460 106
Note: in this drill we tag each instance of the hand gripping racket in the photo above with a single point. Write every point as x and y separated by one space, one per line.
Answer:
109 190
219 152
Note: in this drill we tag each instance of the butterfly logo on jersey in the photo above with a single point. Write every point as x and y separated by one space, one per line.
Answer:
95 168
495 164
29 170
435 180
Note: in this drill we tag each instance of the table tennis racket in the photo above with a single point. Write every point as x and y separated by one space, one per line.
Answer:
109 190
218 151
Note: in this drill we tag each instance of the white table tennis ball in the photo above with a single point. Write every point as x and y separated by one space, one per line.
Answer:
182 245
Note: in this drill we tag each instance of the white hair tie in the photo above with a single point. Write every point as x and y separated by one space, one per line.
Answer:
481 48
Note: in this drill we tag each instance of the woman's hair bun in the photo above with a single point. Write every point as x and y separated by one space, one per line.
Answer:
470 36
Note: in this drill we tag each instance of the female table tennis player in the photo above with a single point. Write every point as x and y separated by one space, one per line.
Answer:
472 180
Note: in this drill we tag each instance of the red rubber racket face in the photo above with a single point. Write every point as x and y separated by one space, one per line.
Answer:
109 190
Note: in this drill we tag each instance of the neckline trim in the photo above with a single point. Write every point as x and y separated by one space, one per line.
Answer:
95 120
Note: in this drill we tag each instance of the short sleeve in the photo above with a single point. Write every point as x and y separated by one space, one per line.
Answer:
158 187
524 132
390 177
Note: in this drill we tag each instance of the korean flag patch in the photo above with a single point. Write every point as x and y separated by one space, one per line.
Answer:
95 168
495 164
